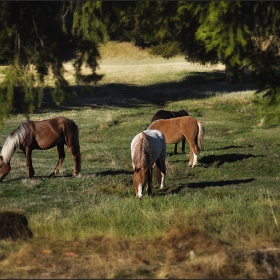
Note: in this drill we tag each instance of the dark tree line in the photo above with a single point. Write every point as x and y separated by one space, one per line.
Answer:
242 35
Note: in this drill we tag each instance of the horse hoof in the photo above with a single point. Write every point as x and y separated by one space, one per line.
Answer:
52 176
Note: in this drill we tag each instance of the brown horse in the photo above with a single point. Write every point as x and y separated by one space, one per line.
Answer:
147 148
42 135
176 129
163 114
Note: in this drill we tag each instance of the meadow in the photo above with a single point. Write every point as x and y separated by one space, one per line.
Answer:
219 219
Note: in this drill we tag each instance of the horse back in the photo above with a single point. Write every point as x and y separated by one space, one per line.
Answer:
180 113
49 133
162 114
176 129
170 128
148 142
157 143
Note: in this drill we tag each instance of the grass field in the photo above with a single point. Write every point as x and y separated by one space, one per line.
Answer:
217 220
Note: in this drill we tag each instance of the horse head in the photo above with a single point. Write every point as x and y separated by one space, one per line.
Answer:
140 179
4 168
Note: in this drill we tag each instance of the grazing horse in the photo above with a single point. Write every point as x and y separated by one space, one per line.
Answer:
42 135
177 129
147 148
163 114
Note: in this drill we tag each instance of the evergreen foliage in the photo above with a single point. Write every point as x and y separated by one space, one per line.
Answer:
37 37
246 35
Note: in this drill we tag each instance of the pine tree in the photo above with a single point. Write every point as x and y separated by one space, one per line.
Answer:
37 37
246 35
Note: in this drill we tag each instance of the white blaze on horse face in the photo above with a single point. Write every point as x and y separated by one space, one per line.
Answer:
140 188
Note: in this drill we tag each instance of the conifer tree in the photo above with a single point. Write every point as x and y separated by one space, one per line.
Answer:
246 35
37 37
243 35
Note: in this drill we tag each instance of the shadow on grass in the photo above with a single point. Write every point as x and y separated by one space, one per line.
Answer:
213 160
198 85
235 147
36 178
218 160
113 172
202 185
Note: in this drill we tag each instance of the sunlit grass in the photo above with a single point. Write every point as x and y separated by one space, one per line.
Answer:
232 195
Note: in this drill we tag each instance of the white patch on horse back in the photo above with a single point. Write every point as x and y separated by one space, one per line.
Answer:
194 159
139 191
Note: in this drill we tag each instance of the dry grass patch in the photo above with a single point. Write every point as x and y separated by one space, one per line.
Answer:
185 252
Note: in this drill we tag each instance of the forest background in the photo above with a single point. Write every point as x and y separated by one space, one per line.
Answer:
38 37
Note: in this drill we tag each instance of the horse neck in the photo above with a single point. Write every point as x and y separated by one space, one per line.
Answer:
12 143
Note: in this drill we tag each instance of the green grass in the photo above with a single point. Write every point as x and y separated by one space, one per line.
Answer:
237 168
232 195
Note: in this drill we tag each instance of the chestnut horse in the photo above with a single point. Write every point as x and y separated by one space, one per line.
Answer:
177 129
147 148
42 135
163 114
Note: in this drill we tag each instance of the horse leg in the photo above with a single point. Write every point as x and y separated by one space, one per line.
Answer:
151 176
149 188
162 170
77 160
61 157
175 149
183 146
30 170
191 157
162 183
193 154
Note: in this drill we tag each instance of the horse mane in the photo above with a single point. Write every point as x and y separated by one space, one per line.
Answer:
13 142
141 157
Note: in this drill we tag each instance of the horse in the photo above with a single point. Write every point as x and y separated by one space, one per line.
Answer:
163 114
177 129
148 148
42 135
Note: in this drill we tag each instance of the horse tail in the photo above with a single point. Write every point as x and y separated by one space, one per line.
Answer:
200 136
71 133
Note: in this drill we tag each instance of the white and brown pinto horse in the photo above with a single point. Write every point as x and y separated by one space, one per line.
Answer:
177 129
147 148
42 135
